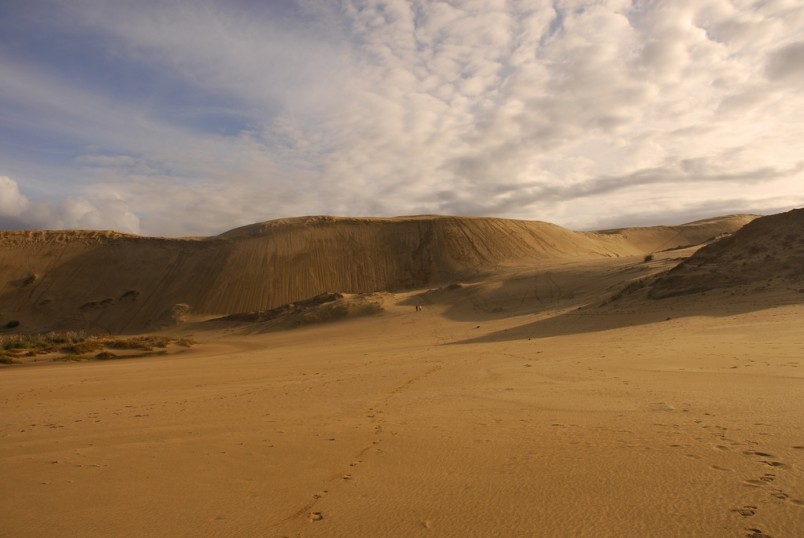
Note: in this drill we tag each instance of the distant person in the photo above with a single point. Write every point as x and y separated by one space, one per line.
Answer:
418 307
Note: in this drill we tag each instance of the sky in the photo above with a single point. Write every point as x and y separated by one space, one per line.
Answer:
187 118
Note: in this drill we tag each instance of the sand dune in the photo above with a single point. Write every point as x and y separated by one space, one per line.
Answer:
106 281
767 251
663 238
529 396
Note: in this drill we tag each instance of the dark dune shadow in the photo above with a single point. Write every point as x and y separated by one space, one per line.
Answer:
536 290
641 311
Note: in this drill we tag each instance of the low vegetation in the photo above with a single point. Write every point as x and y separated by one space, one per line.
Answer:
77 345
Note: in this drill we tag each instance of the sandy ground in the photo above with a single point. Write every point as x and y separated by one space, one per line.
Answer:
498 410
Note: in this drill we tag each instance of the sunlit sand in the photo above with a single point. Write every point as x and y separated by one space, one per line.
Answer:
466 377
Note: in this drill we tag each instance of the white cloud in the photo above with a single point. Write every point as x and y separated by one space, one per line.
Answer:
103 212
567 111
12 202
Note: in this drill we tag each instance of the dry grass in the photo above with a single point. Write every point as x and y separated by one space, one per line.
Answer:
77 345
42 343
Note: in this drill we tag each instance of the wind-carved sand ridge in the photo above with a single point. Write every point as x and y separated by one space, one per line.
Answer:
458 377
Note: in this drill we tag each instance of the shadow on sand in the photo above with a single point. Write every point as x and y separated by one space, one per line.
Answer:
637 311
530 291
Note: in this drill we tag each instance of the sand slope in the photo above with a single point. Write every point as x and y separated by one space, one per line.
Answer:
664 238
767 251
120 283
322 308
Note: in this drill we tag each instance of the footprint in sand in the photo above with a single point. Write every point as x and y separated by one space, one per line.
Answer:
746 511
763 480
769 463
756 453
756 533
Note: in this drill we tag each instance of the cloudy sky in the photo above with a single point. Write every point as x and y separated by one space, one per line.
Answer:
193 117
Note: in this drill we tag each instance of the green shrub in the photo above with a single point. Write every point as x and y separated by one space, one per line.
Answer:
14 344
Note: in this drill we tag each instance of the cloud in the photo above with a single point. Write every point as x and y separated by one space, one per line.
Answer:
197 117
12 203
104 212
787 63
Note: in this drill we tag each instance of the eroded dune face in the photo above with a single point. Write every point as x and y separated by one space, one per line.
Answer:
765 250
121 283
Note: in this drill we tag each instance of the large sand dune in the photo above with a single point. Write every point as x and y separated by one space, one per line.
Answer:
538 392
107 281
